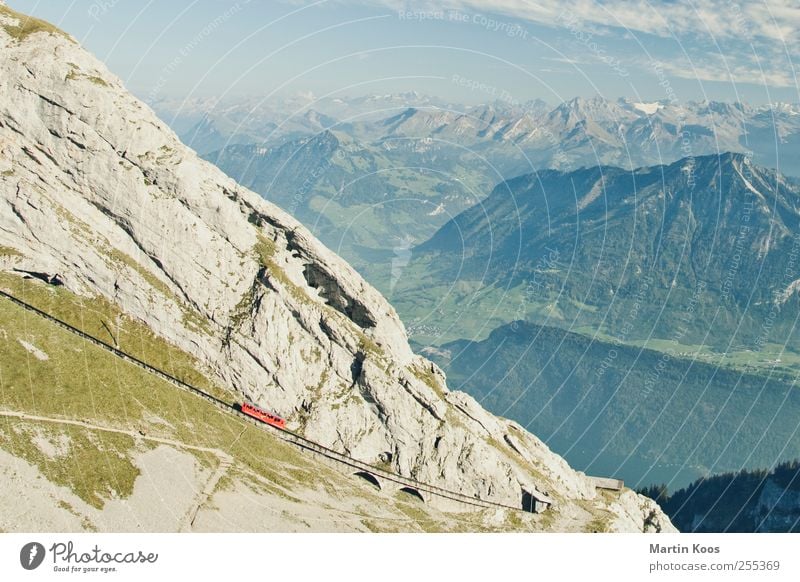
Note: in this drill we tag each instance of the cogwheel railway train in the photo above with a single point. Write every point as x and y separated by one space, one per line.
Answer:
262 415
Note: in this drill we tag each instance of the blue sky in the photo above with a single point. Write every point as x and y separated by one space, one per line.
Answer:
548 49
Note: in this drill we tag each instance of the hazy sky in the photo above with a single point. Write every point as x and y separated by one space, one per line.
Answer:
548 49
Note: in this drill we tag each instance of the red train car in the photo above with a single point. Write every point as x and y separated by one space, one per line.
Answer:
263 415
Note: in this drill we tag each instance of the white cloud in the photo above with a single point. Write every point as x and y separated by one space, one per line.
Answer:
730 69
703 29
777 20
565 60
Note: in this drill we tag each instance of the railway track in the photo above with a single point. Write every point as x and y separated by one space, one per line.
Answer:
282 433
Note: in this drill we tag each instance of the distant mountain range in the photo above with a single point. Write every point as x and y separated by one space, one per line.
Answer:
515 137
210 124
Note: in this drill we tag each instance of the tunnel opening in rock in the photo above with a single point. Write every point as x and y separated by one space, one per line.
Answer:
369 478
414 493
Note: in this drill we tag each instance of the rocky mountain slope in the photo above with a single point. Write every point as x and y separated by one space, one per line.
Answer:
100 196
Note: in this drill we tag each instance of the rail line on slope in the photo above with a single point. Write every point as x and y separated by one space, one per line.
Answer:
284 434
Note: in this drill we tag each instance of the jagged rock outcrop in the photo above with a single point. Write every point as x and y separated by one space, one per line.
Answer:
96 190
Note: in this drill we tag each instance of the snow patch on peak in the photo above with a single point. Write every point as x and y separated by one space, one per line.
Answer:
648 108
746 182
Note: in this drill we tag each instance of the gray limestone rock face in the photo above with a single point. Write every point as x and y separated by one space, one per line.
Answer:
96 189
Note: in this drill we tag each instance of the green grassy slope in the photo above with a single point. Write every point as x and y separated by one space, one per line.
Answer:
57 376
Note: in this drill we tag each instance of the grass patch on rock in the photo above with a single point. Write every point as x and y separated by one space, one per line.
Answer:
102 319
9 252
106 470
26 25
